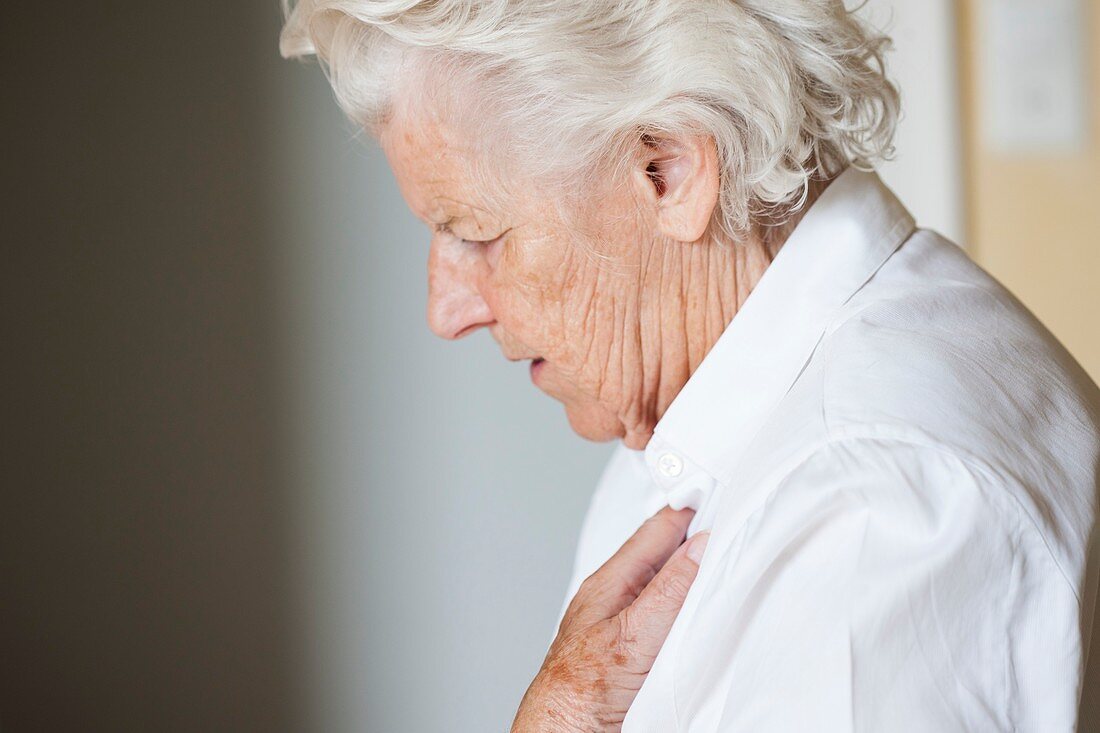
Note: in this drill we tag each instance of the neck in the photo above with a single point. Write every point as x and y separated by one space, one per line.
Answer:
698 289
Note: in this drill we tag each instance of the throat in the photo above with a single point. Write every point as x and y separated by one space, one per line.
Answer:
695 290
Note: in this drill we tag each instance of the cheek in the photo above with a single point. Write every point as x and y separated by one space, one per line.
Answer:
528 287
567 304
534 266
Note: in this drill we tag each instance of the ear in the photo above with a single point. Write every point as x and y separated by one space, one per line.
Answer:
679 178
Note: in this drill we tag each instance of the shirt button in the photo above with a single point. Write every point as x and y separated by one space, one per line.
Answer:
670 464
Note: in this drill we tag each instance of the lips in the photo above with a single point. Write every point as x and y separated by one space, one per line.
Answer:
536 367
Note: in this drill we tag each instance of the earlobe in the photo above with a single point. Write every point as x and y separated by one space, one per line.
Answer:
683 179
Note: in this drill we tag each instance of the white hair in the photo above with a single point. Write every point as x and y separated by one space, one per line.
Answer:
790 90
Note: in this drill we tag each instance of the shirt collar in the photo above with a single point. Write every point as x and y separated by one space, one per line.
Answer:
841 241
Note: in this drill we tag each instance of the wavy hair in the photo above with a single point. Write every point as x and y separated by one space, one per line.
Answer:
790 90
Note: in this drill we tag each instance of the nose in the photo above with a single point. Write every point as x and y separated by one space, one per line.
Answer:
455 305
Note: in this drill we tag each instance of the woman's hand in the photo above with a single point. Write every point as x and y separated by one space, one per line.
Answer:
612 631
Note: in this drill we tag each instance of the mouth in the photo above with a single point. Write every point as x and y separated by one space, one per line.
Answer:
536 368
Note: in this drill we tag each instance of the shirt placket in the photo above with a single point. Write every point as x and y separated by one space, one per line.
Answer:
682 482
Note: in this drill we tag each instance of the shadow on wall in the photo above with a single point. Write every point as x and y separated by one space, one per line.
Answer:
143 538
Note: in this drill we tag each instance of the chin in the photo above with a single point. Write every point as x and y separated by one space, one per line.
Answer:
593 422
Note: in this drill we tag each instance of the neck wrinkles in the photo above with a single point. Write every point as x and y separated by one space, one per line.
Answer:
697 290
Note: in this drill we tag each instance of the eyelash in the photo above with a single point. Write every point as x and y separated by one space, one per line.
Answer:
481 242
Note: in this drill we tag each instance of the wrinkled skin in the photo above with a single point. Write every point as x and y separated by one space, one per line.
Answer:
612 631
620 333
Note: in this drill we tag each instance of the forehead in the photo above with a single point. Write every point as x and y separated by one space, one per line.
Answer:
438 168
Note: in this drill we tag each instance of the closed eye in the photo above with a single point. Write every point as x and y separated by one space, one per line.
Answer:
447 230
480 242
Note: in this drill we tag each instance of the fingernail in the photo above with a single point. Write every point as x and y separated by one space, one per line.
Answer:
697 545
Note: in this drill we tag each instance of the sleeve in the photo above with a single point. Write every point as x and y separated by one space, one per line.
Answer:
883 586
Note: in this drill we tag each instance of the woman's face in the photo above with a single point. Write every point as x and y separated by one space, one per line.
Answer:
507 262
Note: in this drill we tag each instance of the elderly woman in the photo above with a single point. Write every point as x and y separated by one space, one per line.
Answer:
668 207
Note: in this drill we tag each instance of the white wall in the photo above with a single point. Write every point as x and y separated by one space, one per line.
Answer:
440 494
927 171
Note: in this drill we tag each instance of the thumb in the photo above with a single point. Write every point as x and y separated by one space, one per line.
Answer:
646 622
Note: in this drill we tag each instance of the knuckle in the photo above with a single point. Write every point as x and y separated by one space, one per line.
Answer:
625 639
589 587
673 587
665 517
585 587
575 612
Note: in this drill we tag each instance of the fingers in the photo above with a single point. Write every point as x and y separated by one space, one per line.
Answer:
649 548
645 623
619 580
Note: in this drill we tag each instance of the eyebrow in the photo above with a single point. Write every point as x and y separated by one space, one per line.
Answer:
446 226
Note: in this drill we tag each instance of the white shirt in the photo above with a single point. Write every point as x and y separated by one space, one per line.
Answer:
899 466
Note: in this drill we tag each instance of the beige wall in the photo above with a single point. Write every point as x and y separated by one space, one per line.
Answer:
1035 221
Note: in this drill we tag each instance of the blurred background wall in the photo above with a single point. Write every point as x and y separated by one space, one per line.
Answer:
244 488
146 579
1034 201
439 494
